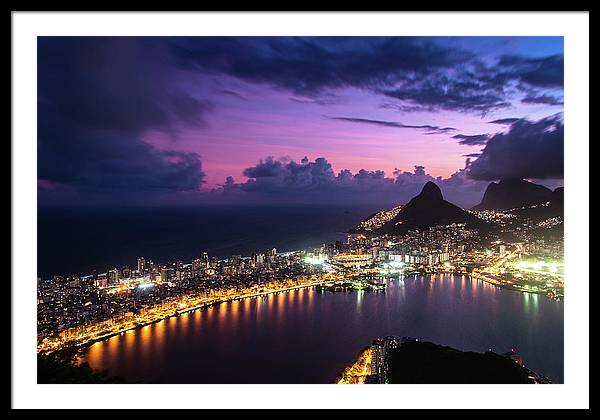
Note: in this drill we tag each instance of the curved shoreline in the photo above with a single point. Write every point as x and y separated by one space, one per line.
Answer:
88 343
107 336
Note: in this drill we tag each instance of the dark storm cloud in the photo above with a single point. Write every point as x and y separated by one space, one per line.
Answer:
479 87
419 74
446 93
429 129
308 66
114 160
539 72
475 140
527 150
96 99
542 99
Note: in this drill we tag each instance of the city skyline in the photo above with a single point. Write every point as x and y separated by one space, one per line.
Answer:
315 120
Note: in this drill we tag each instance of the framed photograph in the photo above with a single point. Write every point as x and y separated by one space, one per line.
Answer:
242 204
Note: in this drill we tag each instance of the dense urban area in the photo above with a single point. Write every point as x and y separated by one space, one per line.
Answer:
522 252
80 309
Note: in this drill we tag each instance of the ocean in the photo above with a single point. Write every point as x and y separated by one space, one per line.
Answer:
81 240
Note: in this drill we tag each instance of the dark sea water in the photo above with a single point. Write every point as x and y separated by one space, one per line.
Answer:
307 336
77 241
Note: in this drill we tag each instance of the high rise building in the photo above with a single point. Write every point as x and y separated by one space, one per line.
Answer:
378 360
260 260
141 264
126 272
113 276
502 249
214 261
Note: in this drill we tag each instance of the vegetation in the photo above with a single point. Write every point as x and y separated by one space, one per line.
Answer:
428 363
60 368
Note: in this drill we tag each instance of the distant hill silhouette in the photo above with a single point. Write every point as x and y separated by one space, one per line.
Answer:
513 193
428 363
558 199
58 368
553 209
429 209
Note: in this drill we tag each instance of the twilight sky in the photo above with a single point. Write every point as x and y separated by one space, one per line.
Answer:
318 120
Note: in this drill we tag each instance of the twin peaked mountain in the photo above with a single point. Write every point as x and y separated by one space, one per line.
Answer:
514 193
430 209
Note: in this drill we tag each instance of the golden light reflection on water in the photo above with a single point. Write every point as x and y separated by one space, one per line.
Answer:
146 337
270 300
247 304
234 314
281 300
222 310
96 352
311 299
148 343
159 332
238 324
360 294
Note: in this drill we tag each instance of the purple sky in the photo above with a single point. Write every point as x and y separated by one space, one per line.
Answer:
168 120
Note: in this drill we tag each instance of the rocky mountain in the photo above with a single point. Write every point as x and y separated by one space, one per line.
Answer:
553 207
429 209
513 193
558 198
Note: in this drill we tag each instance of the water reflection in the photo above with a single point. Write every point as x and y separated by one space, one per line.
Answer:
360 294
309 336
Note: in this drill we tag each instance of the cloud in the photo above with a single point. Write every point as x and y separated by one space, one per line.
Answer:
97 97
537 72
233 93
429 129
505 121
316 182
308 66
111 160
451 93
475 140
478 87
416 74
542 99
321 100
527 150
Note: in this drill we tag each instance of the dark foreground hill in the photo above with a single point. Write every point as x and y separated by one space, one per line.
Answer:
427 363
513 193
61 369
429 209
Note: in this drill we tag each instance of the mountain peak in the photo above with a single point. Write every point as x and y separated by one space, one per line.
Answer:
426 210
512 193
431 191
